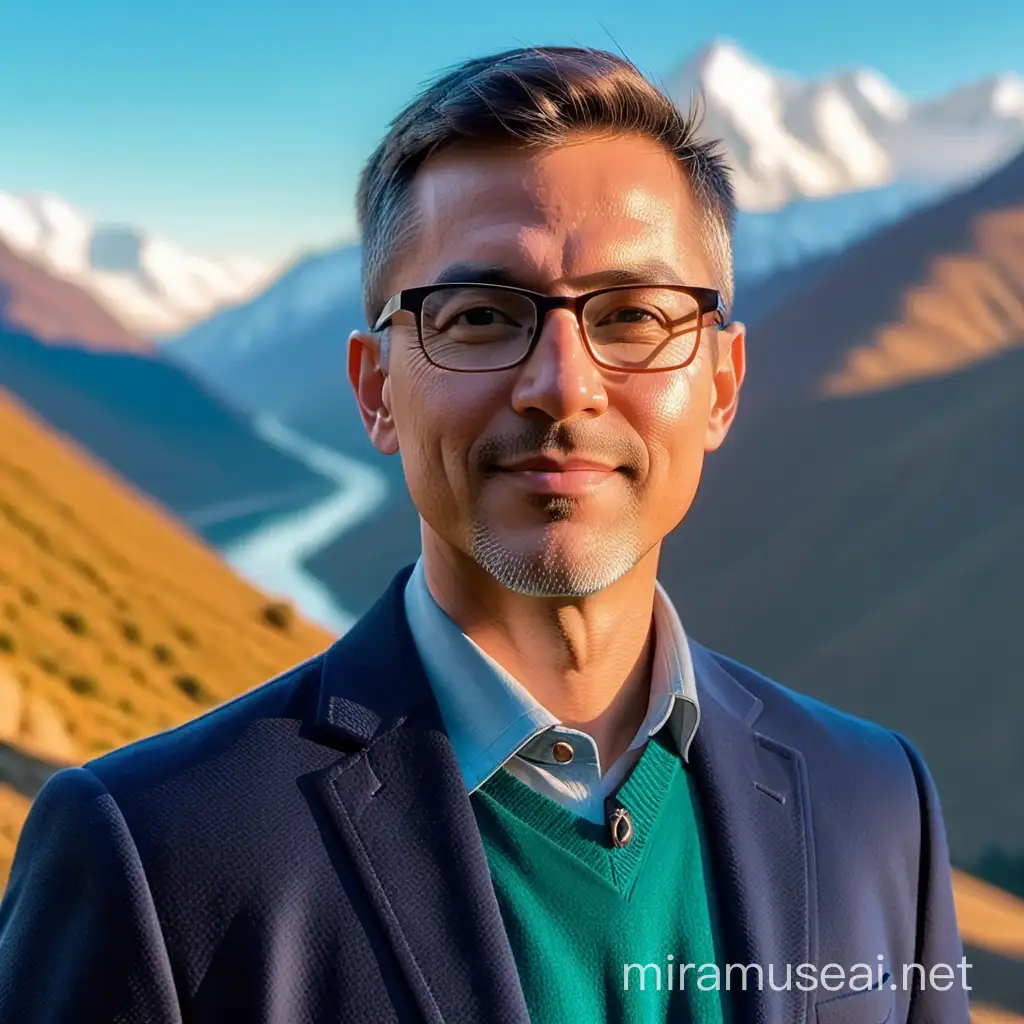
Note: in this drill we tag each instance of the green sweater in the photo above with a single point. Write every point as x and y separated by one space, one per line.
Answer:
577 910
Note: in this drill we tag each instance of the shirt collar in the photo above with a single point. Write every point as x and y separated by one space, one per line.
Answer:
490 716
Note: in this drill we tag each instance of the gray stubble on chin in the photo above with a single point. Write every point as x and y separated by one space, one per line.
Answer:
595 562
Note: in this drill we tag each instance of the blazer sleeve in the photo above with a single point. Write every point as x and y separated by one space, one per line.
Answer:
79 937
938 934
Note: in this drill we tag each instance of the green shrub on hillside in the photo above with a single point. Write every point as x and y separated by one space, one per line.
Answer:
83 684
279 615
193 688
73 622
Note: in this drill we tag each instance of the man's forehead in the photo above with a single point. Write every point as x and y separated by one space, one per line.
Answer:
624 175
550 218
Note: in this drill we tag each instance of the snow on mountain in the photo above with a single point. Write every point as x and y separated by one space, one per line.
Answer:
790 139
148 283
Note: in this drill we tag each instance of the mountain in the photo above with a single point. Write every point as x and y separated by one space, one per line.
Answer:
262 353
788 138
150 285
934 292
33 300
115 622
766 244
869 550
159 428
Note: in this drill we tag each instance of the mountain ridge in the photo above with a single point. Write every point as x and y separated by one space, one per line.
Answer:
147 283
932 293
52 309
171 435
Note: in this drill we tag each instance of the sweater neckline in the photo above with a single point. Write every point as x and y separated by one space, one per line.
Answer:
643 794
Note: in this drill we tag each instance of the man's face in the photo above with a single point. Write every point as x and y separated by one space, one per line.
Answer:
559 221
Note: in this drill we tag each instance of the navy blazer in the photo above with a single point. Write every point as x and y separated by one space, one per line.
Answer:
307 853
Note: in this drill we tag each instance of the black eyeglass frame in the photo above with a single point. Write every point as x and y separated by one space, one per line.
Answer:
410 300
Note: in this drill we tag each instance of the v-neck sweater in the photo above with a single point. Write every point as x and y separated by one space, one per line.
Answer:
601 933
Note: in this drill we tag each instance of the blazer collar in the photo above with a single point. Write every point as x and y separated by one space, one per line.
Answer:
399 804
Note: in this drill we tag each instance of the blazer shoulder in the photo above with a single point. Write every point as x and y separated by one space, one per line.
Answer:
256 718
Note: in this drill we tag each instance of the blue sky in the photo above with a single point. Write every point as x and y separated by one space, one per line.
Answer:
232 126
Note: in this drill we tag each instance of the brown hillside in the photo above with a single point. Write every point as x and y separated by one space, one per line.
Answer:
115 622
981 1014
989 917
35 301
970 307
939 290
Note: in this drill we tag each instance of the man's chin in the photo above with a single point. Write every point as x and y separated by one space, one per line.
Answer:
555 565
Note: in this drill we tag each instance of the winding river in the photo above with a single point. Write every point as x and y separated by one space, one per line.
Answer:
272 557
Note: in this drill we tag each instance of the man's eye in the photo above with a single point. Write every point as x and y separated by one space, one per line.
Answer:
478 316
628 315
481 316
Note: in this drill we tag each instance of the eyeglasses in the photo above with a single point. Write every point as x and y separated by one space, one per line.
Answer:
477 328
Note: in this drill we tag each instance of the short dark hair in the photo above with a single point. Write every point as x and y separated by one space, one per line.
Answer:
537 96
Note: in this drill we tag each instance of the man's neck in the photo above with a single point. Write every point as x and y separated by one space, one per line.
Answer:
587 660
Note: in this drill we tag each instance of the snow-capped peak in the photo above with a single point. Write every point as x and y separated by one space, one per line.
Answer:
726 75
48 227
791 139
880 93
1008 95
150 284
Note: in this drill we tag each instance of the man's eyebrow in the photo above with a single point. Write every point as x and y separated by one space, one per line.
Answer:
478 273
646 272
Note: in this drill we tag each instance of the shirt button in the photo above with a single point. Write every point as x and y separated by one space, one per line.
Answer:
620 824
562 752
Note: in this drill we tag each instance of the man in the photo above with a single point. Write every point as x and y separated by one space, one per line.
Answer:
515 790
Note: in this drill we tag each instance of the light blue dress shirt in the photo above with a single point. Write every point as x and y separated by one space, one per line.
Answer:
492 720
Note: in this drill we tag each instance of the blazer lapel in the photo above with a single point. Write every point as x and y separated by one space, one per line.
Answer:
756 807
400 807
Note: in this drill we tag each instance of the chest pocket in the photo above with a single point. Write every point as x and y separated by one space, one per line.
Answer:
872 1006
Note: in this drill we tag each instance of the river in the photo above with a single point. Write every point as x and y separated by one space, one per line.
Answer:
272 557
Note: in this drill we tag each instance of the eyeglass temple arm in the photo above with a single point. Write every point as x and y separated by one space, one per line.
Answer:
391 307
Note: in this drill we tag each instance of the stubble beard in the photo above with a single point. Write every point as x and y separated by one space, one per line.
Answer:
584 565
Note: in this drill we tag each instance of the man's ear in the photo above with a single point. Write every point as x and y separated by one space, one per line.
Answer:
730 369
372 388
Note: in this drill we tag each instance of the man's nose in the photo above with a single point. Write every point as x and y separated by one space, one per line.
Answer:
560 379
